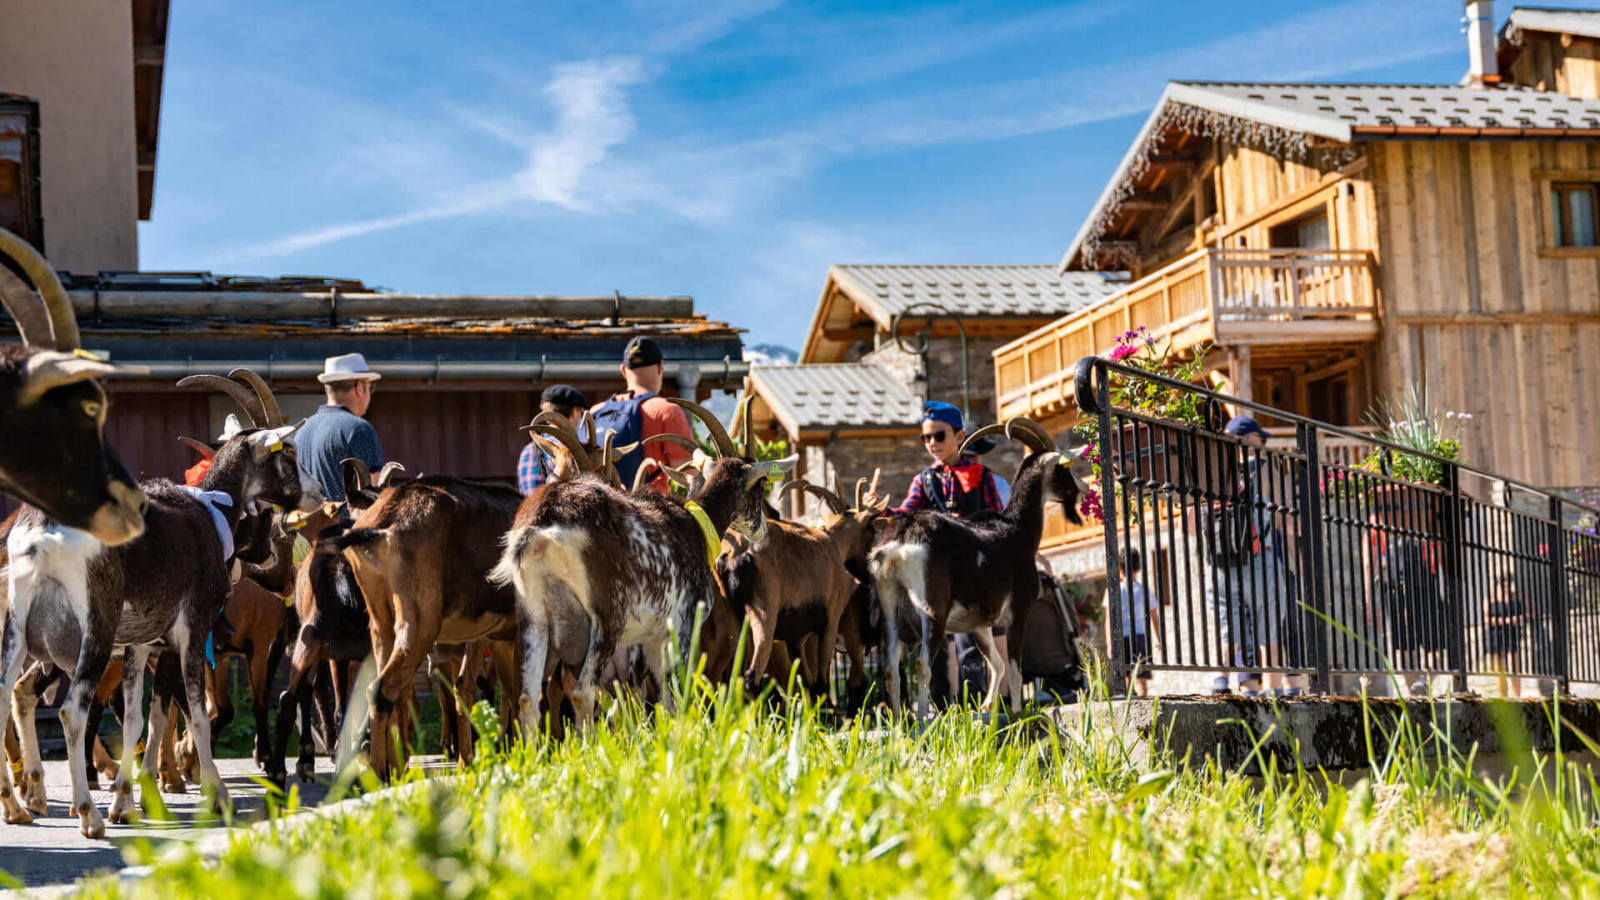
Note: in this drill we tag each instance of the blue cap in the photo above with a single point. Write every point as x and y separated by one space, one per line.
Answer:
1242 426
935 411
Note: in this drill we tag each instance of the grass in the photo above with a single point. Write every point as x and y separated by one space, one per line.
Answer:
732 799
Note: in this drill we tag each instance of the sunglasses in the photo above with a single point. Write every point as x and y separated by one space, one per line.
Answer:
934 437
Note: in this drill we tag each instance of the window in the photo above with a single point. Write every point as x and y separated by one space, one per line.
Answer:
1306 233
20 212
1572 208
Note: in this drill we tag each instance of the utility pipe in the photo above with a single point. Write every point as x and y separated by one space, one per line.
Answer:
717 372
321 305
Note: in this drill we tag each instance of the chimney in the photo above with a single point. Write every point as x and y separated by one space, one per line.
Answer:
1485 70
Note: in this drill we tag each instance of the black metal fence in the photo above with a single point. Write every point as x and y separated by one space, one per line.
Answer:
1231 556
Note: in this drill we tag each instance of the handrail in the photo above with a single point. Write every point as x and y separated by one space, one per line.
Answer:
1084 387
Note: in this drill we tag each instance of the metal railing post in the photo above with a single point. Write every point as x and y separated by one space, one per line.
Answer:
1454 596
1093 392
1312 547
1558 595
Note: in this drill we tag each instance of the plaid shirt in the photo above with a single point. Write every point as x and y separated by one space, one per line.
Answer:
941 490
533 469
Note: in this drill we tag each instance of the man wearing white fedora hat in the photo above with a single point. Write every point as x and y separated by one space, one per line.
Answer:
336 432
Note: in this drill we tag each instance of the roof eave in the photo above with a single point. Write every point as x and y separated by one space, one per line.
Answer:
1192 95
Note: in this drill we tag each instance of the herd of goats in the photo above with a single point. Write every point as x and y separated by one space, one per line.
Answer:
106 579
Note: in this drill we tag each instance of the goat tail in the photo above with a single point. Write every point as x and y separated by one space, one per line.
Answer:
901 572
516 543
557 552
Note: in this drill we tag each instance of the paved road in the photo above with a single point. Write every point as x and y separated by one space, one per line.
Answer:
52 852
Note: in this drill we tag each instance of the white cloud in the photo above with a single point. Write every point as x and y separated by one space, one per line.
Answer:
593 118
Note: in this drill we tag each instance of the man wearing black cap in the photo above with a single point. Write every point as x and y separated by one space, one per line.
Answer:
637 413
534 468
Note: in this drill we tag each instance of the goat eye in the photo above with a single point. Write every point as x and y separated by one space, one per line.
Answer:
91 408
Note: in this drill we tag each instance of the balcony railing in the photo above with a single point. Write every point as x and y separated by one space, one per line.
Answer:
1225 296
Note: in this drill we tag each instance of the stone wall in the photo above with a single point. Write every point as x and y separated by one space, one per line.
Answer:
839 464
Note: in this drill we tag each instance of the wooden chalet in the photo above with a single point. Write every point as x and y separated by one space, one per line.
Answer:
1335 243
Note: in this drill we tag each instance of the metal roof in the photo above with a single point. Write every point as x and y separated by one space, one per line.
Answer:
1284 117
1583 22
1037 290
836 395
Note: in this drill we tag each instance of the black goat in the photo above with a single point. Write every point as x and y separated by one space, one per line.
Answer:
957 575
53 451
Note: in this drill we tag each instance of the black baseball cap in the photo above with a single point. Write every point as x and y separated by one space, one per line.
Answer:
564 395
641 352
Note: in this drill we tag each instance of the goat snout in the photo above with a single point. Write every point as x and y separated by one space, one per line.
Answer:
121 518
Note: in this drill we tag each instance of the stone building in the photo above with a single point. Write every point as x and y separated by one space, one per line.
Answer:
852 403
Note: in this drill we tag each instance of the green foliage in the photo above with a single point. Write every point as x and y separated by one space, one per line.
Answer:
735 799
1413 421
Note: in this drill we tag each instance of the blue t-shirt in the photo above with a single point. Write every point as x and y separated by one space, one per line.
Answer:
331 436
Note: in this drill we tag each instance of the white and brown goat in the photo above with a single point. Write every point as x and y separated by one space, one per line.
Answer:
595 567
53 450
75 602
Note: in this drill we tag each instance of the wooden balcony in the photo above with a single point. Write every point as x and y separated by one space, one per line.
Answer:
1282 303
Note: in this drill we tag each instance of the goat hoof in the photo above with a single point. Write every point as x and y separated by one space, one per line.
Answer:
122 809
108 771
305 771
172 783
13 813
90 823
33 795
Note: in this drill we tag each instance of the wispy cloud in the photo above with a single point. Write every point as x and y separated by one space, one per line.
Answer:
579 160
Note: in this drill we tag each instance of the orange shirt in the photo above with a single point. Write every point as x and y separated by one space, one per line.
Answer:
658 416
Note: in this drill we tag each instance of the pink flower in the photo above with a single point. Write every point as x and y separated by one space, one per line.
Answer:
1123 352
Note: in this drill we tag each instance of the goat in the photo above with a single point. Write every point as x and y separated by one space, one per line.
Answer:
969 575
421 555
74 601
333 635
594 567
53 450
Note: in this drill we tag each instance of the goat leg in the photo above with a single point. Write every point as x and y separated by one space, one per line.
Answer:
262 665
11 659
997 667
534 650
24 704
122 810
194 672
94 652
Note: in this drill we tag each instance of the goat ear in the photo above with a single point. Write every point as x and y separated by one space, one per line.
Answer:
50 369
230 427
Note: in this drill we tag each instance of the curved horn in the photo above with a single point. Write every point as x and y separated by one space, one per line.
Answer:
234 389
646 474
608 457
197 447
269 403
588 425
1029 432
551 417
983 432
670 438
357 469
387 472
556 452
834 501
19 300
861 486
569 440
719 435
53 297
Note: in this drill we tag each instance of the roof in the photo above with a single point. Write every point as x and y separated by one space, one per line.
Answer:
1029 290
1286 117
1583 22
836 395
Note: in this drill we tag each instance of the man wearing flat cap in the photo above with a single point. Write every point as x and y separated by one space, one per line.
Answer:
535 467
337 431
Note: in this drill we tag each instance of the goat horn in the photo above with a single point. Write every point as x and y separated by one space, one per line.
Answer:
555 450
241 394
834 501
719 435
569 440
25 309
646 473
793 484
269 403
550 417
670 438
387 472
358 469
981 433
1042 442
861 484
745 424
52 296
197 447
587 422
608 457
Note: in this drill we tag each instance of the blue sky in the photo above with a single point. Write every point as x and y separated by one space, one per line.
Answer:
728 149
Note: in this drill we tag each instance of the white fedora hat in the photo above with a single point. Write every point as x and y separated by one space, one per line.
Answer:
349 367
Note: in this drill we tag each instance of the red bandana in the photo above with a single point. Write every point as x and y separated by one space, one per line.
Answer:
970 475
